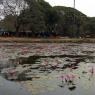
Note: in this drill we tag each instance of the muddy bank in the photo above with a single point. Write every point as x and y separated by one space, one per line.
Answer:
46 40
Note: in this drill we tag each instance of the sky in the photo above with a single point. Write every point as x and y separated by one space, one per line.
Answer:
85 6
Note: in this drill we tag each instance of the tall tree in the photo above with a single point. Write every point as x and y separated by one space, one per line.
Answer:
33 18
13 8
50 15
71 20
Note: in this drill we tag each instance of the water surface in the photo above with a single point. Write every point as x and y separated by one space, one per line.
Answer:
77 60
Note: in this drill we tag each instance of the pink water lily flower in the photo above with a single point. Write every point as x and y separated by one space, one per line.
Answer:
68 76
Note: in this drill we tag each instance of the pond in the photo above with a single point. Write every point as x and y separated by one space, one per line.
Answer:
49 69
11 88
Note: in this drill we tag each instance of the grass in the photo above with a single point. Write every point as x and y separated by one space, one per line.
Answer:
47 40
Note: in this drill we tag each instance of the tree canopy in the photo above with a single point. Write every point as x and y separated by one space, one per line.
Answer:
43 20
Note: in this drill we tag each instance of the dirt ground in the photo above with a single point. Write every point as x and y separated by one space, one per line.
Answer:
46 40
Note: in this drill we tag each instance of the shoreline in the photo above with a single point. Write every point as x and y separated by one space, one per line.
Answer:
46 40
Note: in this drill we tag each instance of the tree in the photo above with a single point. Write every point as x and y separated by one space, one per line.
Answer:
50 15
90 27
71 21
8 23
13 8
33 18
41 19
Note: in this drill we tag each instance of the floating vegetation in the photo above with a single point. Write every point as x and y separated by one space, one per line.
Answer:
47 68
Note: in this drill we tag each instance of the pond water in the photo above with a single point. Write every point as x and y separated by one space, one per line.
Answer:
61 69
11 88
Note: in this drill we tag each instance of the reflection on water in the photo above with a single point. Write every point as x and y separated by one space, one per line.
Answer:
10 88
61 68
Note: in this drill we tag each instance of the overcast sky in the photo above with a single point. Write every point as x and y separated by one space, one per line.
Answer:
85 6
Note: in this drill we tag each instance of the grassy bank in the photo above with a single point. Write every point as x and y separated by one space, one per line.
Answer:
47 40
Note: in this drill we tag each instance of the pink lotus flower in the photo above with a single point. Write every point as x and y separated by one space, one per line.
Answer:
68 76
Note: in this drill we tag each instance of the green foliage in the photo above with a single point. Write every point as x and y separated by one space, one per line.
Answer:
9 23
32 18
90 27
40 17
71 21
